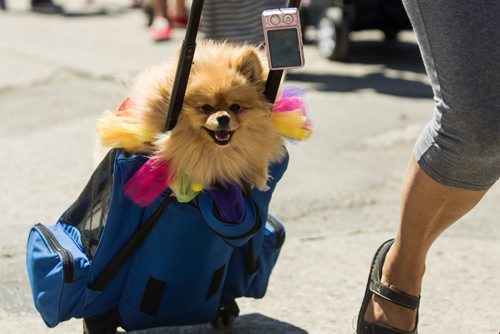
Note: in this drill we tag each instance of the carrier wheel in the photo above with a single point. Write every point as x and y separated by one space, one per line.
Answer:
103 324
227 312
85 328
91 330
333 35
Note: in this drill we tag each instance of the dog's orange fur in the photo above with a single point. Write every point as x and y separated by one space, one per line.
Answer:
222 74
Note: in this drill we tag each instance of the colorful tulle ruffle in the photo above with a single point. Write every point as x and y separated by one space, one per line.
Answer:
290 116
119 130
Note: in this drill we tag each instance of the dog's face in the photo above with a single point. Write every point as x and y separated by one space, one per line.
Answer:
224 132
224 102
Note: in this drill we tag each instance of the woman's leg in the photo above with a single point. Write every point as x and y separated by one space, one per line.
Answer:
457 156
160 9
180 8
428 208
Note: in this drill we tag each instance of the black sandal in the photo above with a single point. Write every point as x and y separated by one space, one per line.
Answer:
374 286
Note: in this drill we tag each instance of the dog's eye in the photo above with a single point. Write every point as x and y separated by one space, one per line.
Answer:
207 108
234 107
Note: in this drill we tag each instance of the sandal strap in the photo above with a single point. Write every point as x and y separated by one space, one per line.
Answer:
391 294
395 296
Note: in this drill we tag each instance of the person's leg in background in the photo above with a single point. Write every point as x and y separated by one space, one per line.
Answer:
161 29
457 157
179 16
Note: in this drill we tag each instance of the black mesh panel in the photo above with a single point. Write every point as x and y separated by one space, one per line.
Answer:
88 213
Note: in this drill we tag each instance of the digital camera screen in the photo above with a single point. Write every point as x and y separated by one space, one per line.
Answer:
284 48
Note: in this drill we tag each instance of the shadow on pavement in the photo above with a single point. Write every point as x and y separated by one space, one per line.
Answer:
253 323
400 72
396 55
379 82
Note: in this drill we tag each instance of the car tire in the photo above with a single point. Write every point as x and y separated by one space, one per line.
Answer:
333 35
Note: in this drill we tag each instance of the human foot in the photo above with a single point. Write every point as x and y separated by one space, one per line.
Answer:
385 309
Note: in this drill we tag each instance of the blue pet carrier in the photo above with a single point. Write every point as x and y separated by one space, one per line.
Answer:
166 264
114 263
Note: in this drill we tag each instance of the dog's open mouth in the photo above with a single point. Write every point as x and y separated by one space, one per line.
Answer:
221 137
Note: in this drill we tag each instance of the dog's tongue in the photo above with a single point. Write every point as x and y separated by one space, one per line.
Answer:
222 135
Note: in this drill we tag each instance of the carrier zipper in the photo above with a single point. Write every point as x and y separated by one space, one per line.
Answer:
278 229
67 258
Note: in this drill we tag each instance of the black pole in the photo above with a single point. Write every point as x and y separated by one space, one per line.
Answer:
184 65
274 76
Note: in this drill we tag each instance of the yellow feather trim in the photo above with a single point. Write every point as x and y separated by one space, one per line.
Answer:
122 131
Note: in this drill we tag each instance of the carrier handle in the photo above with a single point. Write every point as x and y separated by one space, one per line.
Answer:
186 56
114 266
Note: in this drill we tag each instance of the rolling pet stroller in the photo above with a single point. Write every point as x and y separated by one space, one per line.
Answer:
335 19
114 263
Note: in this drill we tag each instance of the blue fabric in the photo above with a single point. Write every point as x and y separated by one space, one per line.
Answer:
124 219
54 299
266 252
235 234
183 252
189 251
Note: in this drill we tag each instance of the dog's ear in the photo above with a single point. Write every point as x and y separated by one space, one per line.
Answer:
250 66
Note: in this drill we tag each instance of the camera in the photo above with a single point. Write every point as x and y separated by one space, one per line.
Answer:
283 38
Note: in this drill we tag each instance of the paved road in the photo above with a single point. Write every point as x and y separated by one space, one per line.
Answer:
339 198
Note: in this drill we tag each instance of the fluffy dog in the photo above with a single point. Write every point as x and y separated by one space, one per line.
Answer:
224 133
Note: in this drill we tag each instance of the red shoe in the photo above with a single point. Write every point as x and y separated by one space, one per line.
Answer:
160 30
179 21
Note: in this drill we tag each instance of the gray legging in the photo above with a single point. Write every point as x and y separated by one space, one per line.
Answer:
460 45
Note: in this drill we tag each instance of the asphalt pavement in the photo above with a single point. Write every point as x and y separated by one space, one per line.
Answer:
339 198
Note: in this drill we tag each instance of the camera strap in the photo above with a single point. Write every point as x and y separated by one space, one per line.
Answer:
186 60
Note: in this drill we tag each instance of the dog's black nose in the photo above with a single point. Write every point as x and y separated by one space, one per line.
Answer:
223 120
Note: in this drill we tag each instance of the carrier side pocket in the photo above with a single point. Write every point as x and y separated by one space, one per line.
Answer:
58 270
266 257
252 264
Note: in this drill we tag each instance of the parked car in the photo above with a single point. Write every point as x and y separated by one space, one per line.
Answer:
336 19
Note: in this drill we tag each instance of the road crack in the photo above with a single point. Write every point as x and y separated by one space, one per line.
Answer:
62 75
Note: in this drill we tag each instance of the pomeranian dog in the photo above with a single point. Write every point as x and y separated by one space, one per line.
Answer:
224 133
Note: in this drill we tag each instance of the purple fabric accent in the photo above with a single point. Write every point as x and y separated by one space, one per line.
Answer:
230 202
292 91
